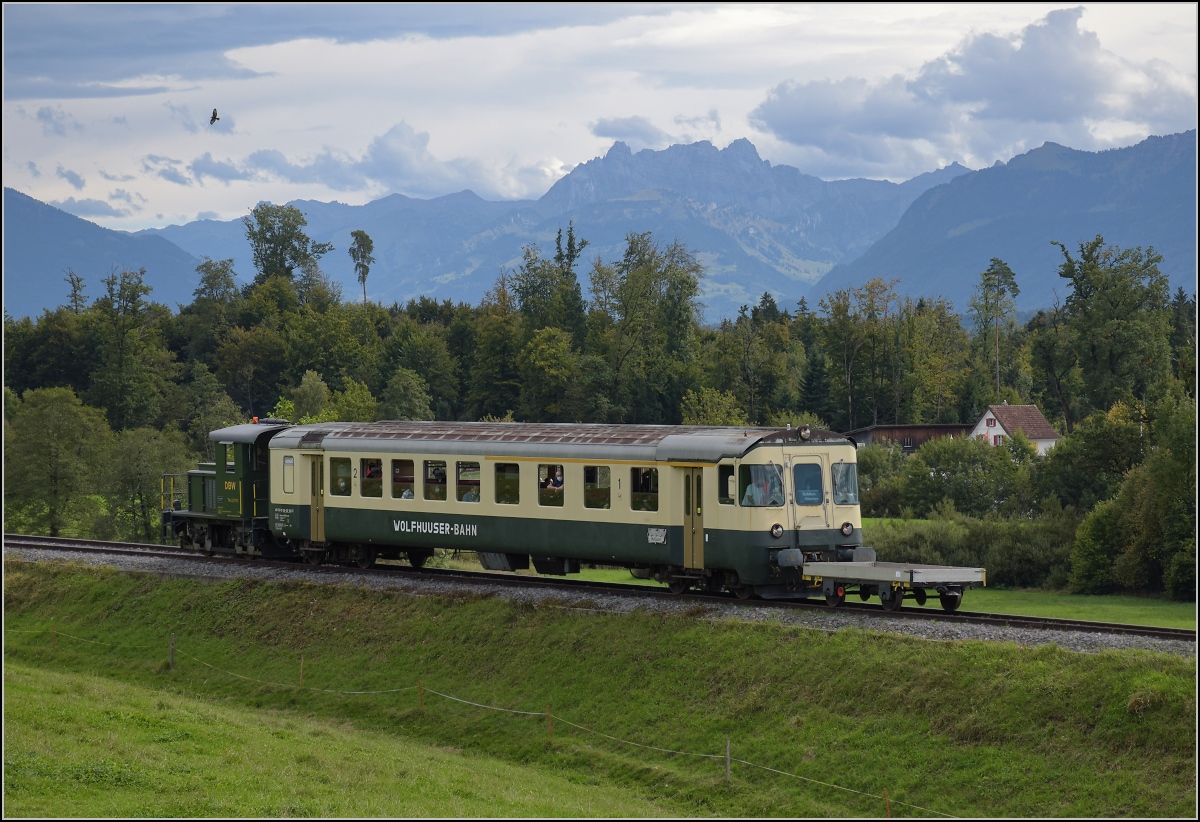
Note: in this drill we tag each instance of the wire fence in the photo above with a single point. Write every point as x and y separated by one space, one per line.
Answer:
550 717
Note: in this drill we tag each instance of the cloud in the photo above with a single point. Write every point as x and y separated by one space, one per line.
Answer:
638 132
130 197
165 168
88 208
226 172
33 169
55 121
71 177
989 97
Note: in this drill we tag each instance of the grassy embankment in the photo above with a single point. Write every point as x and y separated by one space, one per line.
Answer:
970 729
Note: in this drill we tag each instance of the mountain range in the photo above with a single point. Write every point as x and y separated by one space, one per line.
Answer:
756 227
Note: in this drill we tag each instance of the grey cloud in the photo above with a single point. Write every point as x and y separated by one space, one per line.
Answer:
55 121
128 197
117 178
33 168
990 96
89 208
165 168
71 177
206 166
638 132
208 215
183 116
710 121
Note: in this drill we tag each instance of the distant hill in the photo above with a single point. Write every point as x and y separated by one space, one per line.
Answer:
1143 195
41 243
755 226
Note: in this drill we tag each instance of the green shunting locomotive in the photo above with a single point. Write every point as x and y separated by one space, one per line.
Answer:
764 512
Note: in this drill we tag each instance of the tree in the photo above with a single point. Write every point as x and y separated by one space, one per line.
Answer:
207 320
278 242
549 374
993 308
78 300
709 406
495 383
548 292
312 396
210 409
355 404
53 451
406 397
360 253
133 479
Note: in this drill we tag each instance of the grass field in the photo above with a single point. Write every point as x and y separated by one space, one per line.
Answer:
104 727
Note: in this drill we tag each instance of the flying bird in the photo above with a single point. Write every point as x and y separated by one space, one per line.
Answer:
214 117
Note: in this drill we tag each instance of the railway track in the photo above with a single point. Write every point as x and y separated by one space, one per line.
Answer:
577 586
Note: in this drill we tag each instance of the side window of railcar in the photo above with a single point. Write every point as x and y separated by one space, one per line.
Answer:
370 473
402 479
230 457
597 486
643 489
807 479
845 483
289 475
467 489
508 483
761 486
435 479
551 485
339 473
725 488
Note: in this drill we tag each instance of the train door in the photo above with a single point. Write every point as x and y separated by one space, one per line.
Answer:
693 518
810 492
317 525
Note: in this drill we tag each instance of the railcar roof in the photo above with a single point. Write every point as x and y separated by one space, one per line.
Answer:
565 440
246 432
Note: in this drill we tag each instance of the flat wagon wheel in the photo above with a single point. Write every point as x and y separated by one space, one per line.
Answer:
950 601
893 602
836 598
417 559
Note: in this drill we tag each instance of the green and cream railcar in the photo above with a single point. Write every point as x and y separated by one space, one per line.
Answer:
735 508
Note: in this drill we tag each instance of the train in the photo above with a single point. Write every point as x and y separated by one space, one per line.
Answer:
758 512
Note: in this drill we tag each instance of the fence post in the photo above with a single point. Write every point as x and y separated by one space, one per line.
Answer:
171 659
549 723
727 777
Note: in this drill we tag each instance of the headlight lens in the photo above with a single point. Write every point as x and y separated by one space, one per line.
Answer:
847 529
777 530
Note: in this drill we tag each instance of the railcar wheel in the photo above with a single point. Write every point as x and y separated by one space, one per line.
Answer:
865 592
950 602
417 558
744 591
677 586
835 600
314 557
367 559
894 602
920 596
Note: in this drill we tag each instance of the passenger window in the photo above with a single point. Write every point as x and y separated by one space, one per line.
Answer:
643 489
402 479
467 489
597 486
761 486
807 479
339 472
435 479
551 485
508 485
370 474
725 488
845 483
289 475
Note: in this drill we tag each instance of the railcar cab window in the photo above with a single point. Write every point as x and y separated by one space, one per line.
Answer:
807 479
435 479
725 486
230 457
403 479
467 488
508 483
370 477
339 474
289 475
551 485
597 486
761 486
845 483
643 489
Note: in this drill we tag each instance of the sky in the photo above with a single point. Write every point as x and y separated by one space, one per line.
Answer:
107 107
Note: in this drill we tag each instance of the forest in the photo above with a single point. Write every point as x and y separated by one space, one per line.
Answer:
105 394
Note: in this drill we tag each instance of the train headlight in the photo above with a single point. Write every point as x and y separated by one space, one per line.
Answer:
847 528
777 530
805 432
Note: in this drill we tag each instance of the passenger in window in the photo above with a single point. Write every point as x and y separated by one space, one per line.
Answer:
408 494
471 496
343 488
756 493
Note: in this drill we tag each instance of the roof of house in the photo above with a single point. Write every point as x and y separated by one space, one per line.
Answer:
1024 418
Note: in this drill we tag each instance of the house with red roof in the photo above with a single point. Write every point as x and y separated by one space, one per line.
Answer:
1000 421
